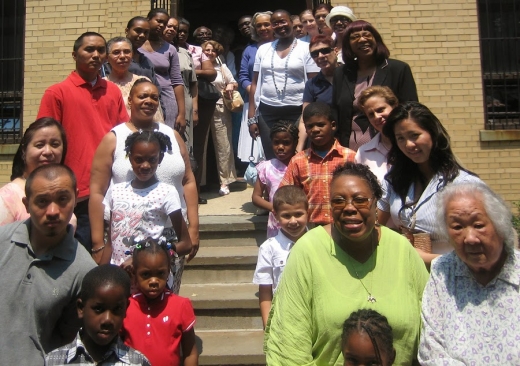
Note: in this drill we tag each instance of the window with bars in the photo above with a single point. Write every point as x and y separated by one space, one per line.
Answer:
499 22
11 69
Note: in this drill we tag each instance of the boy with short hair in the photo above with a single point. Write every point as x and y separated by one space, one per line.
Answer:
290 208
101 307
311 169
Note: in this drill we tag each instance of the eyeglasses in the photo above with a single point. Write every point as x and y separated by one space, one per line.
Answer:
341 19
357 36
358 202
323 51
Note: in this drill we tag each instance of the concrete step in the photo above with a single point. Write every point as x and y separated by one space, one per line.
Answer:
236 230
225 306
221 265
231 347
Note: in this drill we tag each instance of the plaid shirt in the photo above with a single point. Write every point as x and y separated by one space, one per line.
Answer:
75 353
313 174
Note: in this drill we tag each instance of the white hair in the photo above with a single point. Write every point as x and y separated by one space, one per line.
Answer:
496 209
254 35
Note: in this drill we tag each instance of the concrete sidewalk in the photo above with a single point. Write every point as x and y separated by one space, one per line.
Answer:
238 202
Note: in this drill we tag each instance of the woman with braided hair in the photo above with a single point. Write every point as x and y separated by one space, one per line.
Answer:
367 339
284 138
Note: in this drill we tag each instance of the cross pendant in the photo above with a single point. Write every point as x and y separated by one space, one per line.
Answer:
371 298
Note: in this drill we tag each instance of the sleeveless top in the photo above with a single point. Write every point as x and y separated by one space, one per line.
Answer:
170 171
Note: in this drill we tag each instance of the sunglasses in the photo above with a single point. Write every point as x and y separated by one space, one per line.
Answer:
323 51
357 202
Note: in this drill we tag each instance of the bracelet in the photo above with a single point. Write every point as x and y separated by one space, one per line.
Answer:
252 121
98 249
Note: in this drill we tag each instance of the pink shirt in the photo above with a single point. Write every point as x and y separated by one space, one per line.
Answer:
270 173
197 55
11 206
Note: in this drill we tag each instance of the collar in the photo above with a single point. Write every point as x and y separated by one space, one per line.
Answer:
321 77
117 349
283 240
79 81
278 165
375 144
141 299
65 250
335 149
510 272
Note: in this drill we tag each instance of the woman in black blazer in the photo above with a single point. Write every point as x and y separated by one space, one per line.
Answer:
366 64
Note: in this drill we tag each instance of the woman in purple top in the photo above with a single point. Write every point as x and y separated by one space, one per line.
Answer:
165 60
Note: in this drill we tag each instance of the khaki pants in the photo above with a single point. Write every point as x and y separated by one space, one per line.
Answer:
221 132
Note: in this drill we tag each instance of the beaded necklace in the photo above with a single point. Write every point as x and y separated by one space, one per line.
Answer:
281 93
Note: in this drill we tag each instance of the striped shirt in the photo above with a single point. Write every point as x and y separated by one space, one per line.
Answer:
313 174
75 353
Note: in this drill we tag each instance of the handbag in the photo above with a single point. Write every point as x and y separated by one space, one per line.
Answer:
419 239
207 90
234 105
251 174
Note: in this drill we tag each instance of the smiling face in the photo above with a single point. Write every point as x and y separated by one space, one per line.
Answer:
151 272
339 23
354 220
309 23
90 56
282 25
472 234
323 55
45 147
377 110
244 26
210 52
145 157
138 33
143 101
120 56
415 142
363 44
203 34
170 32
103 314
293 219
263 28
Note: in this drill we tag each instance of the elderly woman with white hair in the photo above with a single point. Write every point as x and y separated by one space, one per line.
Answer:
470 311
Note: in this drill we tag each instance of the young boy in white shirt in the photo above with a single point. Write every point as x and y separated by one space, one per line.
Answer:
290 208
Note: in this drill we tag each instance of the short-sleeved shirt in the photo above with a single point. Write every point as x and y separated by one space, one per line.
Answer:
87 114
198 56
313 173
38 302
373 154
290 74
138 213
424 209
272 257
318 89
270 173
156 328
75 353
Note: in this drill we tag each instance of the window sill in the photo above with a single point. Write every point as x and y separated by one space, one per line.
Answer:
8 149
499 135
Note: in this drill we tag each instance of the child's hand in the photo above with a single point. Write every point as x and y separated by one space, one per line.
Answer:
128 266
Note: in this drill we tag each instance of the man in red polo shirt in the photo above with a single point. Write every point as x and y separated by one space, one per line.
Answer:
88 107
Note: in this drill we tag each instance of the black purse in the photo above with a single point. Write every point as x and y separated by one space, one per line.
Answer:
207 90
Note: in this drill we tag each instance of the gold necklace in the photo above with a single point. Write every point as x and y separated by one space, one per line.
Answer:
370 298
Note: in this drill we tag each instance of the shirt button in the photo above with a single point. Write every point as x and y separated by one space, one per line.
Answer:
148 325
148 308
29 276
148 333
148 316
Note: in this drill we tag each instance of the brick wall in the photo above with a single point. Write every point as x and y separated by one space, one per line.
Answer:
439 39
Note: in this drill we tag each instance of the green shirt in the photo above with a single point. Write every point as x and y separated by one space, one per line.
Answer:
319 290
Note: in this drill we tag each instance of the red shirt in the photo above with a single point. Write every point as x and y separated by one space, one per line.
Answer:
156 329
87 113
313 173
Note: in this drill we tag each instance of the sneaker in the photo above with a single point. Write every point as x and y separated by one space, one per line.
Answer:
224 190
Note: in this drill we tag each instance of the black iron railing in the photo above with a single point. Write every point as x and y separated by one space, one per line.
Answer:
499 23
11 69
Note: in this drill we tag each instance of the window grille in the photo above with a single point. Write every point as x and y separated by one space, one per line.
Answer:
499 23
11 69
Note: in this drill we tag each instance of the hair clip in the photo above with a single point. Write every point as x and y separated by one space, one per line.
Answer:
140 131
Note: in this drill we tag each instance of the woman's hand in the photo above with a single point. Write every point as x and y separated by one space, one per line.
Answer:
180 124
229 90
128 266
254 132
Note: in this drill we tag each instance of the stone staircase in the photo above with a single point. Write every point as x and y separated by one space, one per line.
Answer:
218 282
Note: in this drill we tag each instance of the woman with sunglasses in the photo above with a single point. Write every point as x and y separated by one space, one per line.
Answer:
367 63
361 265
319 88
